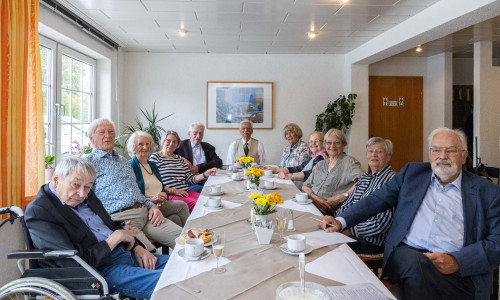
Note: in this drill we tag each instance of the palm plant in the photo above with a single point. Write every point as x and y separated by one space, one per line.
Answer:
151 127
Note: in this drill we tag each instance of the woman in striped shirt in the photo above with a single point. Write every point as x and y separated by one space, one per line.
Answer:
370 235
175 173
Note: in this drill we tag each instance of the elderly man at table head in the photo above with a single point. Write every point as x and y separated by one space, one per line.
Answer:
66 215
117 188
246 146
444 242
199 156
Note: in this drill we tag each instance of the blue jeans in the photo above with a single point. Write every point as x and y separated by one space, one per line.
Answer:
198 187
124 274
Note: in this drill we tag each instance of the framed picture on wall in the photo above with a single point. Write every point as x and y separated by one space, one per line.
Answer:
229 103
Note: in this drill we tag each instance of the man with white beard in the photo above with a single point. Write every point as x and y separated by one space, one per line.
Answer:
444 242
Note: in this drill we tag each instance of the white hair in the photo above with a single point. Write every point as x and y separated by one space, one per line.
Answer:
71 164
194 124
93 126
378 140
457 132
246 121
132 141
338 133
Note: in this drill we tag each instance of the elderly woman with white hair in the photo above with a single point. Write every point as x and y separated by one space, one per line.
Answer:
140 145
332 180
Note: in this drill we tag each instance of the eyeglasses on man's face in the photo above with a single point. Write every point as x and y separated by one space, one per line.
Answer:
450 151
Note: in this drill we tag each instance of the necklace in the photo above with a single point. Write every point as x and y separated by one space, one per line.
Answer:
146 169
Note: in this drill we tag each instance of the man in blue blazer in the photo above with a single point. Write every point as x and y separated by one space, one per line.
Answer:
199 156
444 242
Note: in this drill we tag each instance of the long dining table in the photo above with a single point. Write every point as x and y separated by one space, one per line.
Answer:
254 271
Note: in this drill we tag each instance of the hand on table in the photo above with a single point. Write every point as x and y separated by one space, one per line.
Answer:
211 172
445 263
145 258
155 216
282 175
330 220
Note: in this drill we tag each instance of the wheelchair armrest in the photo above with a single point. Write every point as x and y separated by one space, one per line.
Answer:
41 254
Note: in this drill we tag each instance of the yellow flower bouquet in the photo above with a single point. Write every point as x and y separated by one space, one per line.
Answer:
254 175
245 161
265 204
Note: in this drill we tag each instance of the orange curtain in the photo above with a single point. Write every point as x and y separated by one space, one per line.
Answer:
21 110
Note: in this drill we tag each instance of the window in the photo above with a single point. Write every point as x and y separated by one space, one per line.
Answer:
68 97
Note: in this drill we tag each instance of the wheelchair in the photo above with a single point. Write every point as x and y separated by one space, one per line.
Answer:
71 283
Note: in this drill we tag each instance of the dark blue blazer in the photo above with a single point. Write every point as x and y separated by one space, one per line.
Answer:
211 157
480 254
136 166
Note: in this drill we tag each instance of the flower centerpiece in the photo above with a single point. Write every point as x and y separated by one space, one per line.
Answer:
265 204
254 176
245 161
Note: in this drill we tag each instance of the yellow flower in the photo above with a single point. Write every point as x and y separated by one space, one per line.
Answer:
260 201
254 196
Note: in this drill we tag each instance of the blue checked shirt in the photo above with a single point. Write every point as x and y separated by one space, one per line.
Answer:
115 184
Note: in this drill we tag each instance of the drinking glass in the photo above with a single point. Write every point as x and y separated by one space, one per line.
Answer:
281 221
218 247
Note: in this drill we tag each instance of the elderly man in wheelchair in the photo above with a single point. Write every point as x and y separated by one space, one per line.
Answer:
66 215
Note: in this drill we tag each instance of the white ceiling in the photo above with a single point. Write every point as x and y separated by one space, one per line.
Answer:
236 26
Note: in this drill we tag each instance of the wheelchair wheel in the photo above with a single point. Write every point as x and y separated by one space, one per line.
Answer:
35 288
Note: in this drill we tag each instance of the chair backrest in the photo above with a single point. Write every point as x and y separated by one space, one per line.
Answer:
11 238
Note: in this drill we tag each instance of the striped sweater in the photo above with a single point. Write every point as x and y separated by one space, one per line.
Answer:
174 171
376 228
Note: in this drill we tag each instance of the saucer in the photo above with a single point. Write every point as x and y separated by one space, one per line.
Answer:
213 208
267 176
206 253
216 194
309 201
237 179
178 242
273 188
284 249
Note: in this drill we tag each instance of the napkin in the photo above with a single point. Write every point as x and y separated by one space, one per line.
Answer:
219 179
200 210
320 238
305 208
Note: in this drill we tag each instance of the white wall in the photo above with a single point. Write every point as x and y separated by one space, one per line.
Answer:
463 71
436 72
303 85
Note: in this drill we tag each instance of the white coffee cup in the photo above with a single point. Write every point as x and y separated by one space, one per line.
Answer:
230 168
296 243
194 247
301 197
268 172
236 176
237 165
215 189
268 184
214 201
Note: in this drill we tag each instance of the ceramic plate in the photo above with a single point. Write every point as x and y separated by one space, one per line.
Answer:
216 194
284 249
238 179
264 188
309 201
205 254
213 208
178 242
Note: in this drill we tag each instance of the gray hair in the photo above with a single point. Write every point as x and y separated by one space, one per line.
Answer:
292 127
321 134
339 133
378 140
194 124
72 164
457 132
93 126
246 121
132 141
174 133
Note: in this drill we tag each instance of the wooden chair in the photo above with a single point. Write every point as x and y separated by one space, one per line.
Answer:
374 263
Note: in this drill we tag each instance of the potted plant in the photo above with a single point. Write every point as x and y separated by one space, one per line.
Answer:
50 160
338 114
151 127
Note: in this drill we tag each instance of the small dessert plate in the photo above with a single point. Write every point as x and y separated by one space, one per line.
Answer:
216 194
178 242
273 188
284 248
213 208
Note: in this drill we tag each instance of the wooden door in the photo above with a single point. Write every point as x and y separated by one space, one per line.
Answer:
396 113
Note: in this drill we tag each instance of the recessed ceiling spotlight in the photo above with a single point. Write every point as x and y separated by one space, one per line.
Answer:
312 34
419 48
182 32
344 1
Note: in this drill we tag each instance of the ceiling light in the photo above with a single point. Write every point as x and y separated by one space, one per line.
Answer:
312 34
419 48
182 32
344 1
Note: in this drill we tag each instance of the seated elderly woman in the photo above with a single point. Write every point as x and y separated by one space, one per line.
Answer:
370 235
175 173
300 173
296 153
140 145
333 179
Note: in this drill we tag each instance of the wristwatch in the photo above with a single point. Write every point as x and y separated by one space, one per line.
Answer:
346 195
292 177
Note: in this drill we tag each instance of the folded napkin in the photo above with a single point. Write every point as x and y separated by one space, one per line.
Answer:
320 238
311 208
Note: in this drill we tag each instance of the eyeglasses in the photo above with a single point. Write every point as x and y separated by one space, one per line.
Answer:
173 142
450 151
336 143
315 141
378 151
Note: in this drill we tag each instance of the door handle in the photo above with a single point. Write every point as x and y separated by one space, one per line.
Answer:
58 106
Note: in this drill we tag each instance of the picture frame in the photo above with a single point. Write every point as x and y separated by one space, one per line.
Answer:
229 103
